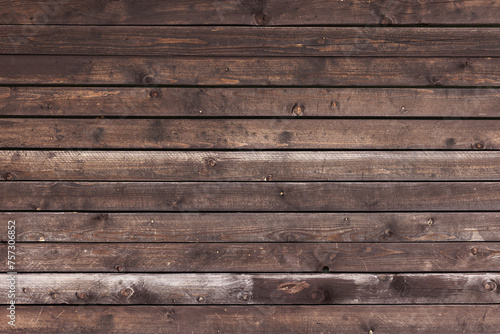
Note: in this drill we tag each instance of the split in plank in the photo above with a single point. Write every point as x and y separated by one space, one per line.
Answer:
248 12
255 257
252 227
250 165
250 102
312 134
151 289
249 71
100 319
251 41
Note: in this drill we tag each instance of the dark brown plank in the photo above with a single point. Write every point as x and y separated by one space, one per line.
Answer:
432 319
378 134
249 166
250 196
257 71
235 102
255 257
251 41
248 12
251 227
256 289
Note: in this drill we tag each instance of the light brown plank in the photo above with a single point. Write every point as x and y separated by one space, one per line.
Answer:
432 319
233 289
249 71
248 12
246 41
255 257
252 227
249 166
250 196
339 134
261 102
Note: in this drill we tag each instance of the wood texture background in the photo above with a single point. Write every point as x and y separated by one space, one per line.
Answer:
251 166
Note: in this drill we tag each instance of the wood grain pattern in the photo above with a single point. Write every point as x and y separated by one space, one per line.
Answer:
246 41
249 71
250 102
250 196
251 227
99 319
234 289
214 134
256 257
249 12
250 166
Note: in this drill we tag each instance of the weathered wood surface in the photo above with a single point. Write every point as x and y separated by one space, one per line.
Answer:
252 41
249 71
256 257
251 227
373 134
249 12
100 319
250 166
257 289
250 102
250 196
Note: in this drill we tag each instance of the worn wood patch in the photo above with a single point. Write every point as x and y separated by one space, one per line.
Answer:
236 289
256 257
261 166
255 71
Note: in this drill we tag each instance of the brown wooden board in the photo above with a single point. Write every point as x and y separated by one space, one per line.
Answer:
100 319
311 134
251 41
250 196
249 71
250 165
253 227
271 289
255 257
249 12
250 102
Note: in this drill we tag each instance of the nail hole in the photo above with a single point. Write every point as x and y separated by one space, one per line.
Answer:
326 269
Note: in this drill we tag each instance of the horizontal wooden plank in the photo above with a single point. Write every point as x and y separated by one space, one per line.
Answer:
261 102
339 134
246 71
255 257
252 41
250 196
100 319
250 166
233 289
248 12
251 227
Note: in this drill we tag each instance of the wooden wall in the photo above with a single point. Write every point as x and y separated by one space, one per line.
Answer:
251 166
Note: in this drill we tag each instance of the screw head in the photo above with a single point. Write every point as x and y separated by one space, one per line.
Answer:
474 251
430 222
154 93
268 178
479 145
118 268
